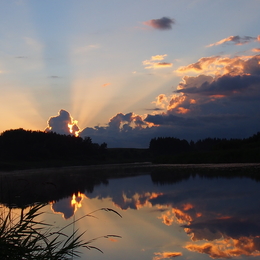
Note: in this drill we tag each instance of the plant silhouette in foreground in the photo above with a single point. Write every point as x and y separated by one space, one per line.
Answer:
23 237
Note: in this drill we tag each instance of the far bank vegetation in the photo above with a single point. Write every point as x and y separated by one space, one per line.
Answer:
23 149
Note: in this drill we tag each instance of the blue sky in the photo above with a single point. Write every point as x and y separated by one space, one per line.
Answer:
128 71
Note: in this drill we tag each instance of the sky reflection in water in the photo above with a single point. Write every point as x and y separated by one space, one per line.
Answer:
192 219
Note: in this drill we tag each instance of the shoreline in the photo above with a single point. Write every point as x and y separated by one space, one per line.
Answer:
132 166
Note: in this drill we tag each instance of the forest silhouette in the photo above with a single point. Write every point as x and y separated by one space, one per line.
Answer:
23 149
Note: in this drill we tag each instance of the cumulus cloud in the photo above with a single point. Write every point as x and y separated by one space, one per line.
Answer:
63 123
163 23
161 101
237 40
68 206
154 64
220 100
122 130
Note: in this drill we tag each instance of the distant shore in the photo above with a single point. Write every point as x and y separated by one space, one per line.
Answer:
133 168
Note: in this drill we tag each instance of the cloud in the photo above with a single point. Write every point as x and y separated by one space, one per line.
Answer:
237 40
106 84
228 248
163 23
212 218
121 131
223 86
62 124
166 255
68 206
159 57
256 50
161 101
221 100
153 64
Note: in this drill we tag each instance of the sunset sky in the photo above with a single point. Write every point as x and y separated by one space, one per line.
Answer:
123 72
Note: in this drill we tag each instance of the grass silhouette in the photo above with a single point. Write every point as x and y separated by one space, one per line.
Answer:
23 237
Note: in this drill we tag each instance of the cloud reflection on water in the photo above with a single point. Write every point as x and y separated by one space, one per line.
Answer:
220 217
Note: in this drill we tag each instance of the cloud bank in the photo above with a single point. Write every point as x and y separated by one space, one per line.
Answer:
218 96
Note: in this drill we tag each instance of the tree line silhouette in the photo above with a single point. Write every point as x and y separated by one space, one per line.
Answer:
37 146
21 148
209 150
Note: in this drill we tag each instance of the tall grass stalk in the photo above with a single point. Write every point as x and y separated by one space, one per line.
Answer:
23 237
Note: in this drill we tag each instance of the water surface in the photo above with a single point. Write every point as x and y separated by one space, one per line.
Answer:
165 218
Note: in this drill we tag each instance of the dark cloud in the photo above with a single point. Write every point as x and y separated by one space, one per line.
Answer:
123 130
225 85
163 23
68 206
169 119
54 77
62 124
229 227
154 109
64 207
221 102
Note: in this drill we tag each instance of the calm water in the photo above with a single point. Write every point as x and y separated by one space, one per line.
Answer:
194 218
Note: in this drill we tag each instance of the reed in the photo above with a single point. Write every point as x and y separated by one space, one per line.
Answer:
23 237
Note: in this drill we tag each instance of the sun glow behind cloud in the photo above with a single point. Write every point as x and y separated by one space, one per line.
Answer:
66 59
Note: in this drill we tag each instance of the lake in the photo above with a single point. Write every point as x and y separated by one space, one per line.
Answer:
166 214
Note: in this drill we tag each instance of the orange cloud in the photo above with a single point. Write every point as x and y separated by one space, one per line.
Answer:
167 218
217 66
106 84
227 248
175 215
182 110
161 101
151 64
187 207
176 101
159 57
181 217
165 255
256 50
